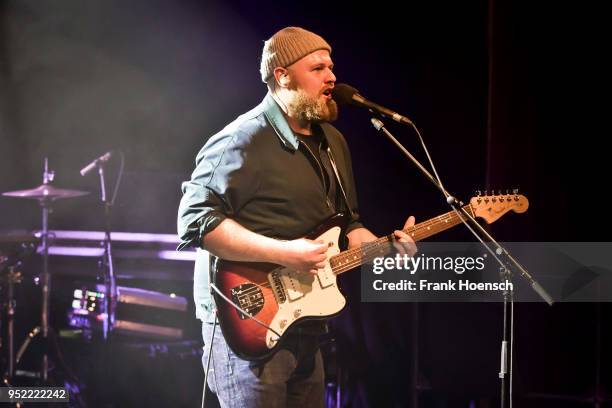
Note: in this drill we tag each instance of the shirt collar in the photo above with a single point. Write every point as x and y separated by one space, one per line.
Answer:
279 123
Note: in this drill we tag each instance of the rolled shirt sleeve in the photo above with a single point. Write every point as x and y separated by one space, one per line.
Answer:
225 178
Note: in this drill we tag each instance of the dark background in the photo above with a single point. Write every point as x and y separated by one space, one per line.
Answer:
506 94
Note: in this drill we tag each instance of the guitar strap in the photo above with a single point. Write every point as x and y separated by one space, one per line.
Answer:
346 200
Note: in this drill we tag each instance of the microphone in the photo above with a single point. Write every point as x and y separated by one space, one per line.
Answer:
102 159
347 95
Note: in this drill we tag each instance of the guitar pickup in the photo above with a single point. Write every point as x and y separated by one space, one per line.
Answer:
277 286
326 277
293 287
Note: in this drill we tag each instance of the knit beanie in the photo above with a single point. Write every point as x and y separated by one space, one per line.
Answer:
288 46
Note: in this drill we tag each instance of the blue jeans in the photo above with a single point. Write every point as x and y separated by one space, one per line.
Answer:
292 377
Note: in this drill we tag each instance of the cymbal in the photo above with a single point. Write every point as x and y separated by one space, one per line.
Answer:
45 192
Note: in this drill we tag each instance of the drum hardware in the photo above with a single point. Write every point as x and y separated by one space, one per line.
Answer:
45 194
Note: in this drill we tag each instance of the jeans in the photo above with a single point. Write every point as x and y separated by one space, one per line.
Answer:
292 377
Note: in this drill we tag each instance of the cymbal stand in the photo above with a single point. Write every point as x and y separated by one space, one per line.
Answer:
48 176
45 282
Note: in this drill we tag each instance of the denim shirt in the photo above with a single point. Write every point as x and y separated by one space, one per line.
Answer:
257 172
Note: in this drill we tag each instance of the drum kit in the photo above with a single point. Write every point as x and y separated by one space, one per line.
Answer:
13 248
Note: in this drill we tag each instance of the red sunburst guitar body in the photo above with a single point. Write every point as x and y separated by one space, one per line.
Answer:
276 296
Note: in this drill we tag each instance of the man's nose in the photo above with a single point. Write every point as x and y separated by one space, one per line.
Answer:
331 77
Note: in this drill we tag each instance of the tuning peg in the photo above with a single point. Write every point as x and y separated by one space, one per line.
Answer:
515 191
478 193
486 193
507 192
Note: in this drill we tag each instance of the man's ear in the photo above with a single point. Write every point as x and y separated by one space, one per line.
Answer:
281 75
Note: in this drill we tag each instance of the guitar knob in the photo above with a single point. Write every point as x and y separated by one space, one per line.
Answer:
297 313
283 323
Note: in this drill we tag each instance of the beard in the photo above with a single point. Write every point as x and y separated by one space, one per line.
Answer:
314 110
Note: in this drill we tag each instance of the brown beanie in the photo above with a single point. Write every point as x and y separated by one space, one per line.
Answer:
288 46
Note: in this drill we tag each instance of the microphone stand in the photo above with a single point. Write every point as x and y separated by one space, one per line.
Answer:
505 267
107 261
508 329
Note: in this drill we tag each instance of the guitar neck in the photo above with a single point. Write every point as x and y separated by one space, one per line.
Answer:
355 257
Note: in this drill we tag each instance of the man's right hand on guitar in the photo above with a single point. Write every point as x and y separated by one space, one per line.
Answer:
304 255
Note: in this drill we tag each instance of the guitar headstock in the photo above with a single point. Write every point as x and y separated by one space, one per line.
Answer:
493 207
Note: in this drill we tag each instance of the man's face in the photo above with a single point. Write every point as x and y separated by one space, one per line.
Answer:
311 80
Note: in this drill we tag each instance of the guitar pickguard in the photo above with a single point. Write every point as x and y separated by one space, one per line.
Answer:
305 294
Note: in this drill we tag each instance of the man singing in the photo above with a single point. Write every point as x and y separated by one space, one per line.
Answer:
260 184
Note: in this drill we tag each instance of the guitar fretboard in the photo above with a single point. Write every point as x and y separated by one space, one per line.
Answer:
355 257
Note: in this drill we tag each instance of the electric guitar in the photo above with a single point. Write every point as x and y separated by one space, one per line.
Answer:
275 297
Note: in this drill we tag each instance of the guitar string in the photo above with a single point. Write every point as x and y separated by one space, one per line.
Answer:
372 247
365 252
368 251
385 240
451 215
339 268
